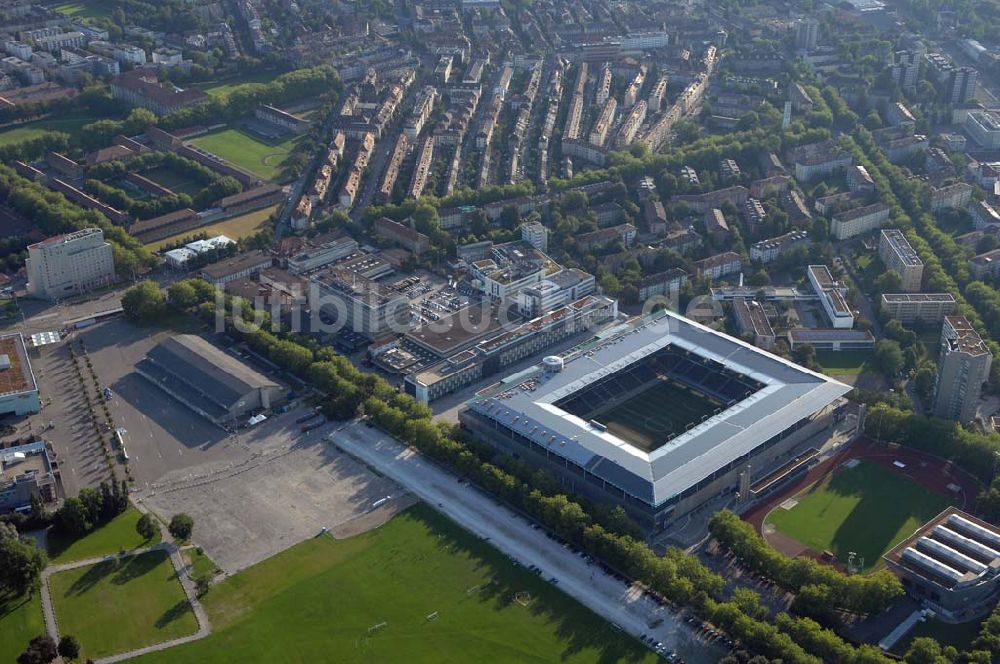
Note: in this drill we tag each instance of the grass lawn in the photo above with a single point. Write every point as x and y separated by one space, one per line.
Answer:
961 635
171 179
114 607
20 621
201 564
844 362
234 228
81 9
225 86
110 538
254 154
70 124
316 602
866 509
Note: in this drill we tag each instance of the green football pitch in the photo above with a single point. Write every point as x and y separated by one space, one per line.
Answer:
417 589
866 509
658 414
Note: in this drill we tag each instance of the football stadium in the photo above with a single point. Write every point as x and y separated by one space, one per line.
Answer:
659 415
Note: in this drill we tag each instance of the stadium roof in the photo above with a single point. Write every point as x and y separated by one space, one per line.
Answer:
526 401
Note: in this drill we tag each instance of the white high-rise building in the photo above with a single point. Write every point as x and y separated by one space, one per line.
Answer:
806 34
66 264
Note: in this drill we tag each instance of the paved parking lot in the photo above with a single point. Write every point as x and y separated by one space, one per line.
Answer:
276 488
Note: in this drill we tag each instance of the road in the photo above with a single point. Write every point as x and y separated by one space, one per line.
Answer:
512 534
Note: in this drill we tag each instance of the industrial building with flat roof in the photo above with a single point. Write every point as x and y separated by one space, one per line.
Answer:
658 416
951 565
207 380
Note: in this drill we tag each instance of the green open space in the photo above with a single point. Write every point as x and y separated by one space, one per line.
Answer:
81 9
418 589
263 158
959 635
112 537
201 564
117 606
20 621
224 86
235 228
844 362
172 180
71 124
866 509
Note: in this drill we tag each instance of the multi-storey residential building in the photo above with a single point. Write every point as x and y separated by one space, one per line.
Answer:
905 69
963 367
985 265
63 265
858 221
819 159
984 215
602 125
769 250
806 34
897 255
603 85
984 128
955 196
535 234
859 179
729 169
624 232
630 125
718 265
910 307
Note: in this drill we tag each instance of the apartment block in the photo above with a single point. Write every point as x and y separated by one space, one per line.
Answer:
963 367
897 255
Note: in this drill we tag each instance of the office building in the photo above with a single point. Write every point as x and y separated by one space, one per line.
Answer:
64 265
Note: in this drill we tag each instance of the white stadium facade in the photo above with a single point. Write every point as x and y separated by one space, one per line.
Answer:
659 415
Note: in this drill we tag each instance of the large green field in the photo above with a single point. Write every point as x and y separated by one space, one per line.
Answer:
20 621
81 9
440 594
255 155
117 534
114 607
866 509
225 86
70 124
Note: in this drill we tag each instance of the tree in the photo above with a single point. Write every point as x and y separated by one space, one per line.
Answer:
182 295
69 647
143 302
888 282
805 355
146 527
888 357
41 650
181 526
21 565
925 650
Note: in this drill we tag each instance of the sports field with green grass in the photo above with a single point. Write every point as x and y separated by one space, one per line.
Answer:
113 536
661 412
117 606
225 86
70 124
82 9
20 621
438 594
260 157
867 509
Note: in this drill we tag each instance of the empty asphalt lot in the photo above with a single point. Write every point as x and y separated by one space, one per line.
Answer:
275 488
